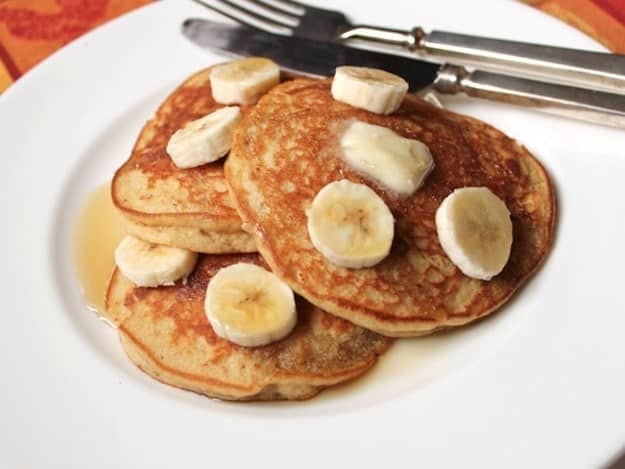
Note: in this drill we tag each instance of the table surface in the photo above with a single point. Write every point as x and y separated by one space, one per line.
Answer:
30 31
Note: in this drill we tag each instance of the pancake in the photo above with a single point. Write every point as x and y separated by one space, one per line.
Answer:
286 150
189 237
165 332
188 208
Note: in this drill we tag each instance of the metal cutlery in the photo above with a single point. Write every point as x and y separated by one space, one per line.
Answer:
287 17
321 58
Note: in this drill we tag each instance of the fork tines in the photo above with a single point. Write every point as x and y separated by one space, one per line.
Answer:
274 16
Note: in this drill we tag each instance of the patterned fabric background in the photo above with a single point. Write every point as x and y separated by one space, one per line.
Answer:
30 30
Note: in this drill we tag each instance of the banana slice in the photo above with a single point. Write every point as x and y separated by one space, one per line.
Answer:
243 81
350 224
369 88
249 306
151 265
401 164
204 140
475 230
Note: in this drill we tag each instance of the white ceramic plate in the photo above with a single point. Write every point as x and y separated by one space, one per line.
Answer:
541 383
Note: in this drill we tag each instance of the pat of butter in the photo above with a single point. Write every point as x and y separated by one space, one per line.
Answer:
398 163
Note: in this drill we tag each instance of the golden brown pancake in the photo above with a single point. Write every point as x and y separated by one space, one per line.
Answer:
286 149
166 333
161 203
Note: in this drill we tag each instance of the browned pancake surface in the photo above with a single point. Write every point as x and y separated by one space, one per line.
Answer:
286 150
184 205
166 333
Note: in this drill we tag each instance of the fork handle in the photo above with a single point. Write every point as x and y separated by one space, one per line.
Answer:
593 69
584 67
579 103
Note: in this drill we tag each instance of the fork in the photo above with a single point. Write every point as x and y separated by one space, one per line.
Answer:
288 17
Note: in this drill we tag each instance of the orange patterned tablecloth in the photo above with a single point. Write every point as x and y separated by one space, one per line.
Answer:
31 30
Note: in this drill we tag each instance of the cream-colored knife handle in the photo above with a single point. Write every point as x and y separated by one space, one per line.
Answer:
589 105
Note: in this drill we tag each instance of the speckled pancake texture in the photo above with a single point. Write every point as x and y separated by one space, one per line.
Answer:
166 333
161 203
286 149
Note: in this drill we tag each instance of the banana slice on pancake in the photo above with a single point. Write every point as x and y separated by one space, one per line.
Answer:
401 164
475 231
350 224
204 140
243 81
249 306
151 265
371 89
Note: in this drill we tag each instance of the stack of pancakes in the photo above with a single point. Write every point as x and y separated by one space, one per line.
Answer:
284 151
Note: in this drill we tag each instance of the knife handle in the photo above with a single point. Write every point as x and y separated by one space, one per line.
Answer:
592 69
579 103
584 67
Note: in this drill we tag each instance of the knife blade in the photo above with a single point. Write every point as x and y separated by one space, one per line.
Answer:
321 59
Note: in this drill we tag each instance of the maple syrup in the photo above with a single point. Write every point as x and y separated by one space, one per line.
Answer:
388 376
97 232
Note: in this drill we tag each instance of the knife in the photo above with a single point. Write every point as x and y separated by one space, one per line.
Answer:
320 59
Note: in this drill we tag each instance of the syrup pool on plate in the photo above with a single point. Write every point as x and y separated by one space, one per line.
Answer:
409 364
96 235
